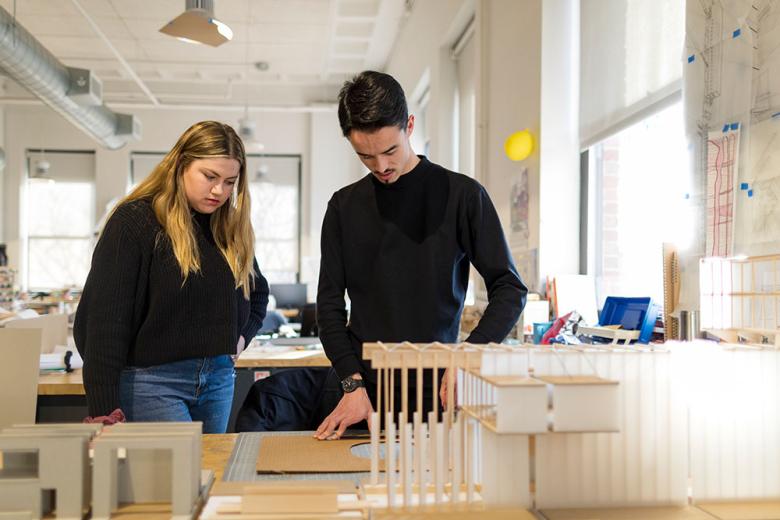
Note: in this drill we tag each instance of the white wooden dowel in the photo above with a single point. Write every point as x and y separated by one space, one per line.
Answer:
407 480
403 444
379 391
421 439
404 385
375 448
390 458
433 451
445 439
457 461
470 461
416 446
441 461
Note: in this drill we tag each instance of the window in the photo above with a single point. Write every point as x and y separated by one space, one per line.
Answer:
274 185
465 53
60 218
640 200
421 137
142 164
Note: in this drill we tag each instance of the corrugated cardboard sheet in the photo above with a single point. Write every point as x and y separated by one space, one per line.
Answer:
305 454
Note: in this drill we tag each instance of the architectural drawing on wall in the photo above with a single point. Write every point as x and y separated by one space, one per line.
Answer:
762 201
733 74
722 163
763 22
519 214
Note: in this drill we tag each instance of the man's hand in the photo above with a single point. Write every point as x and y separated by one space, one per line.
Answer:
353 408
445 381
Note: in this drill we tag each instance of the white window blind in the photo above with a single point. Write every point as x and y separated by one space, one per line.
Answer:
466 55
631 61
274 186
59 218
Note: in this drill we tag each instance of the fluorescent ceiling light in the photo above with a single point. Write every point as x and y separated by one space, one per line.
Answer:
198 25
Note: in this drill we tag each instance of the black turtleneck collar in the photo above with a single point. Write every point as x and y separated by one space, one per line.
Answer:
411 177
416 202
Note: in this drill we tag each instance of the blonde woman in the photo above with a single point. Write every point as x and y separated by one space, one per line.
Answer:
174 289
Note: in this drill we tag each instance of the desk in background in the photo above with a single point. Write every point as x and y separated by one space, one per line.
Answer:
61 396
259 361
59 383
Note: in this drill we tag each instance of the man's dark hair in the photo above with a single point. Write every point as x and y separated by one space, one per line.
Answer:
370 101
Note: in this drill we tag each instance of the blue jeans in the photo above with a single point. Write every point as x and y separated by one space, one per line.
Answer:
198 389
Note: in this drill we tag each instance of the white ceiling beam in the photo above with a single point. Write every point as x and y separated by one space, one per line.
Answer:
391 12
116 53
327 49
297 109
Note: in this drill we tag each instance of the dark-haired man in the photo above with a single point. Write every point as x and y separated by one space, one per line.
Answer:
400 242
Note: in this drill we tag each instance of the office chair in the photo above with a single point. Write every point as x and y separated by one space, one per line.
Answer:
309 320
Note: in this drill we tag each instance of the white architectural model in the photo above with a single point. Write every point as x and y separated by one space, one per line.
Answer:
41 461
47 467
740 298
487 446
157 455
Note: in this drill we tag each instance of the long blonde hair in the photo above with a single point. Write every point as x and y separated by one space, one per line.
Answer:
230 224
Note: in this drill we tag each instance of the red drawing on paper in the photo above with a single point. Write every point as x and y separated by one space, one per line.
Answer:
722 162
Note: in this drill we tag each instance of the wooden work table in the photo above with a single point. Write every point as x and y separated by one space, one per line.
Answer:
216 452
61 396
61 383
286 357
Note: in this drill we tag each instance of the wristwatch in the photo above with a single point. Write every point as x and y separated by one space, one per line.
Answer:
350 384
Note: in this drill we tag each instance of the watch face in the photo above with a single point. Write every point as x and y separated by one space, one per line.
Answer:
350 385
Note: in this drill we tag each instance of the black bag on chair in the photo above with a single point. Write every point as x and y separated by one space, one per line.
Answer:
288 400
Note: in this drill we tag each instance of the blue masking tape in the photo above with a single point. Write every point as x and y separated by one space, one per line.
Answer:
691 58
750 193
743 186
736 33
735 126
725 128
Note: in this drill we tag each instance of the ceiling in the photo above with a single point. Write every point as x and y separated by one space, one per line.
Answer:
311 47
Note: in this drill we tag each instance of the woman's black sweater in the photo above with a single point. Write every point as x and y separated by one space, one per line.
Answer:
136 309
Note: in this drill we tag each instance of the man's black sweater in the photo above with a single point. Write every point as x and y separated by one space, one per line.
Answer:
402 252
136 310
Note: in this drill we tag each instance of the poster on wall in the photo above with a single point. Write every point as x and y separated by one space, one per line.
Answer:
518 207
722 168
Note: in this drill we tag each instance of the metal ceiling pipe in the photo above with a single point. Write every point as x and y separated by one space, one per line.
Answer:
31 65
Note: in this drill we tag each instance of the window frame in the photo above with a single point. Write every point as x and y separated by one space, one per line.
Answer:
592 186
29 238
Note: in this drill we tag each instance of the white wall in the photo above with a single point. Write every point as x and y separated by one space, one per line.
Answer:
559 181
527 78
309 135
423 52
333 166
508 98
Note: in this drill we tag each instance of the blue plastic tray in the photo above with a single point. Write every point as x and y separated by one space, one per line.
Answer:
631 314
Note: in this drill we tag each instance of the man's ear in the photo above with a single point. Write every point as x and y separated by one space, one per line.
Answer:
410 125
